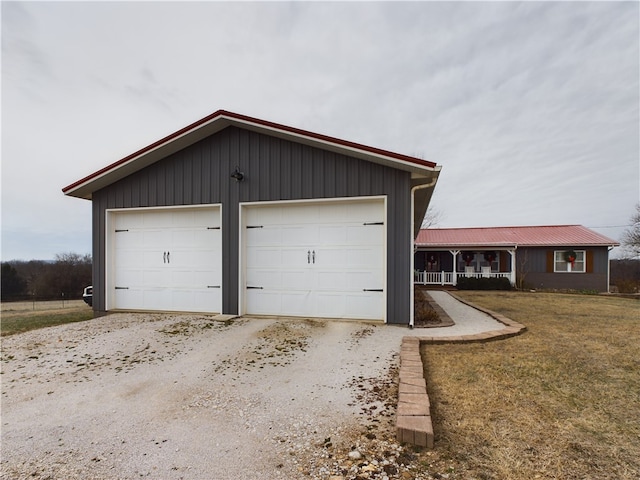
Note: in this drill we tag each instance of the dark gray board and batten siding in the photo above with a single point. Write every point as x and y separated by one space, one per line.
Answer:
275 169
535 263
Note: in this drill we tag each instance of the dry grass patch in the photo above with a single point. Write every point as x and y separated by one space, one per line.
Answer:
560 401
20 321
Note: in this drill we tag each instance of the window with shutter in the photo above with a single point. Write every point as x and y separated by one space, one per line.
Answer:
569 261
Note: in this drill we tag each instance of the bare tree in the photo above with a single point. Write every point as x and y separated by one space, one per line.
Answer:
523 268
631 236
432 218
68 275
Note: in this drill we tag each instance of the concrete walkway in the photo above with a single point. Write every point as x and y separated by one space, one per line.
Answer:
468 320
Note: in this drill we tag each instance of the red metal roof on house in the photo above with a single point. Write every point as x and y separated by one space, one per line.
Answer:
546 235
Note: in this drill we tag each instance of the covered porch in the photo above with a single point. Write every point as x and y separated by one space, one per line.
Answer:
435 266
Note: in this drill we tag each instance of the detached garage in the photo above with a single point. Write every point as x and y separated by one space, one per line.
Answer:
238 215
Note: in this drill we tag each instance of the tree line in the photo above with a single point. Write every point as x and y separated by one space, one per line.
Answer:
65 277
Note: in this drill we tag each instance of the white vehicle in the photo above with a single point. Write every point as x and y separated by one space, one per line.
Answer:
87 295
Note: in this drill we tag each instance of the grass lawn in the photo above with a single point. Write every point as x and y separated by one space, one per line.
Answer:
560 401
21 320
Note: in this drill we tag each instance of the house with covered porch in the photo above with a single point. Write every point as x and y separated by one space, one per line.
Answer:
569 257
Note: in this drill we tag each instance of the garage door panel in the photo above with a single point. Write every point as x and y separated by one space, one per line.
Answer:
260 302
156 299
331 304
207 239
263 257
128 238
166 259
355 281
273 257
265 278
200 299
331 280
204 218
183 237
263 216
129 277
295 280
298 214
331 235
277 279
130 258
364 305
160 278
366 279
159 219
153 258
195 259
129 298
185 279
330 257
364 257
364 211
264 236
207 300
193 279
296 302
298 235
313 260
294 257
206 279
365 234
156 238
281 236
125 221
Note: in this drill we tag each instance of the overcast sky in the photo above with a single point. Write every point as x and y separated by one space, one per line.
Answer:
531 109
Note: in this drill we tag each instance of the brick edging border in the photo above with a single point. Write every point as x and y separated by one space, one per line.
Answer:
413 417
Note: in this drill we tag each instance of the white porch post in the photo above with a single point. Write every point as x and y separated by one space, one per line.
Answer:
512 252
454 254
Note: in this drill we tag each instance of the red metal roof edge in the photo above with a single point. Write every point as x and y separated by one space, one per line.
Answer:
504 227
607 241
256 121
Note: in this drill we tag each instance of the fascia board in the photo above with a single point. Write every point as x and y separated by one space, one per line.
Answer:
345 148
84 187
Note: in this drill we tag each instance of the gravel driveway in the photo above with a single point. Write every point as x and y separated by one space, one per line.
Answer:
182 396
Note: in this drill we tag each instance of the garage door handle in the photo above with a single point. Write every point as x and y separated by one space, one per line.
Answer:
308 256
254 288
168 259
313 256
372 290
164 257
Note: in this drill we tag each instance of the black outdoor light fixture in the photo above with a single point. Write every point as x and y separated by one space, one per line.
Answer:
237 174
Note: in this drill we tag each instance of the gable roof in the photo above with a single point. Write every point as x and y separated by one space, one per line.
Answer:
221 119
530 236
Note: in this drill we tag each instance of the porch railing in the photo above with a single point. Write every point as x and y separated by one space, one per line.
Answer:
450 278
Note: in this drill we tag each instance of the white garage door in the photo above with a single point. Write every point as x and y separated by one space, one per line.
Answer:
166 259
318 260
